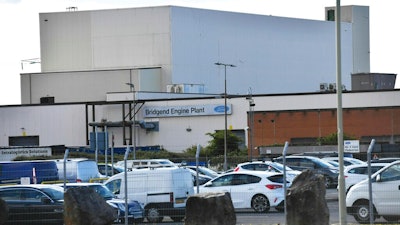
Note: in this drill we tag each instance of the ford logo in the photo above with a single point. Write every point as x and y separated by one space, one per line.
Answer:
220 109
347 142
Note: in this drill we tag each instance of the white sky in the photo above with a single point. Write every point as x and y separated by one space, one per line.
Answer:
19 25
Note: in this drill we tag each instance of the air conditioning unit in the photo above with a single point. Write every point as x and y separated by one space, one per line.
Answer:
332 87
171 88
175 88
323 86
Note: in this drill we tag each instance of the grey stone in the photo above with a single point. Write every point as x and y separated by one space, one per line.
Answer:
305 200
83 206
211 209
3 211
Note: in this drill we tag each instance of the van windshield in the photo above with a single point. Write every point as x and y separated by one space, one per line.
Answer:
87 170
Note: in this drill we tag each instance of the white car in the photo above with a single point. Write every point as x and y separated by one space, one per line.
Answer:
268 166
356 173
385 195
258 190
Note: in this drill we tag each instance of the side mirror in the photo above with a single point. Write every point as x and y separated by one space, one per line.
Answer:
378 178
45 200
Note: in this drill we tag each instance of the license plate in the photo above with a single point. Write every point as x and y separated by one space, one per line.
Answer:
179 201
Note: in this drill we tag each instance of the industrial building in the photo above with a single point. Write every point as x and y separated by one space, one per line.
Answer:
154 76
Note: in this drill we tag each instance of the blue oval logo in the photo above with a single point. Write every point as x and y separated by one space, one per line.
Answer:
220 109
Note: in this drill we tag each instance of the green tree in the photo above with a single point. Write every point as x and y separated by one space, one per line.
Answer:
332 139
215 146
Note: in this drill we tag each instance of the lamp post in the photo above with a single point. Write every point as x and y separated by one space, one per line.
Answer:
132 89
225 113
251 124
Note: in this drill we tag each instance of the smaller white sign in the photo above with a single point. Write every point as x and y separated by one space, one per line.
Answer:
25 180
352 146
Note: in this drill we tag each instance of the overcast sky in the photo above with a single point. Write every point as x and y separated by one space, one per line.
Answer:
19 24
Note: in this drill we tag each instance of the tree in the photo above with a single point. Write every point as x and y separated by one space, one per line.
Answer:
331 139
216 146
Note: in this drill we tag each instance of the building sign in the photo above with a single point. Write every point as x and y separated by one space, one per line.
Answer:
352 146
188 110
8 154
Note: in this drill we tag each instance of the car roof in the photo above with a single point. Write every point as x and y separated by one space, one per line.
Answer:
365 165
255 172
83 184
35 186
266 161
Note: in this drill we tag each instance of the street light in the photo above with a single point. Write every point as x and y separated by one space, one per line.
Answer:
132 89
251 123
225 113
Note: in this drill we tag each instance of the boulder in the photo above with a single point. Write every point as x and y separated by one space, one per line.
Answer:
211 209
305 200
83 206
3 211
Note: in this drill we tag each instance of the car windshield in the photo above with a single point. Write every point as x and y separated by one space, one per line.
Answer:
102 191
323 163
54 193
280 166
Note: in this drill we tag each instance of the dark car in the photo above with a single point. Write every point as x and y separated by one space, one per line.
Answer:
135 209
34 204
315 164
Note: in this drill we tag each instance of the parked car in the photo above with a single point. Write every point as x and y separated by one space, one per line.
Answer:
268 166
356 173
385 160
34 204
333 163
202 178
162 190
111 170
135 209
346 160
36 171
258 190
315 164
385 195
205 171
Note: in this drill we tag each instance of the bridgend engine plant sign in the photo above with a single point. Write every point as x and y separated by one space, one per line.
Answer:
188 110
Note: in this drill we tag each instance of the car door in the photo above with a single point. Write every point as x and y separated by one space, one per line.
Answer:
386 191
242 189
220 184
39 206
17 212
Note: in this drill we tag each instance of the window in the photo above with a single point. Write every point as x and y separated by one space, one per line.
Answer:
114 186
391 174
10 195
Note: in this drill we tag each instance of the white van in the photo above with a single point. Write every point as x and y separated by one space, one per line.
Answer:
385 195
79 170
145 163
162 190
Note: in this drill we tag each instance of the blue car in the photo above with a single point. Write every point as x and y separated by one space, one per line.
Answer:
135 209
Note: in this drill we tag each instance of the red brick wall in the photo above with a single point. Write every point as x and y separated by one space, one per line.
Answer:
278 127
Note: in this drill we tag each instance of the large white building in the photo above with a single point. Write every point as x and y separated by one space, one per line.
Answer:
89 57
86 54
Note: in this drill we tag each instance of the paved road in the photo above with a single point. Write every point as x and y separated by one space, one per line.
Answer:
273 217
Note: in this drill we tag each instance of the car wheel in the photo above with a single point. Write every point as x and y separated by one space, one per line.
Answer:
280 207
177 218
328 182
153 215
361 212
260 203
